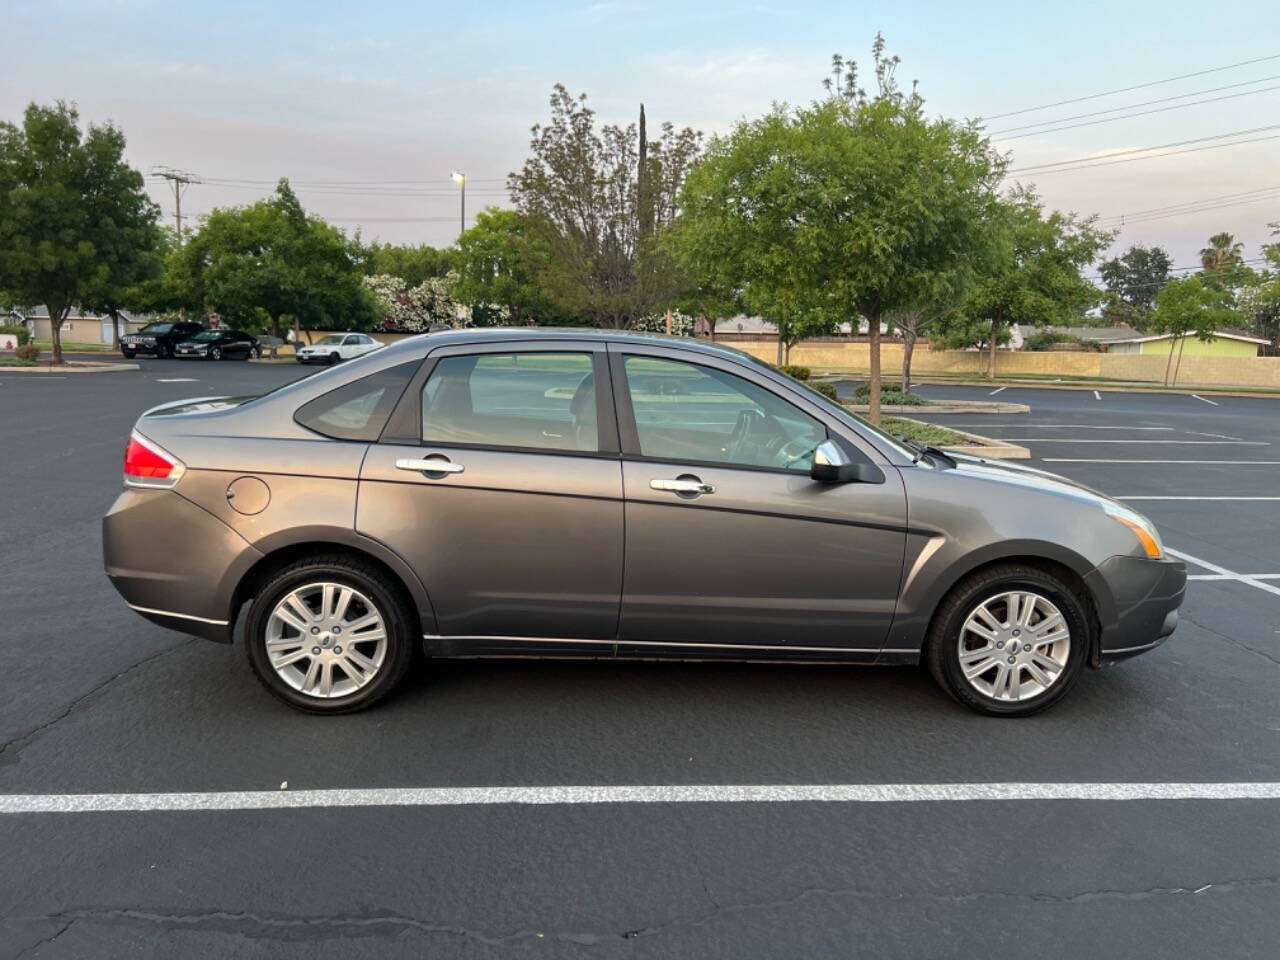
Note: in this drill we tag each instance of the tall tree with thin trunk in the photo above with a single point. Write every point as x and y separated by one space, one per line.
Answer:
852 204
76 225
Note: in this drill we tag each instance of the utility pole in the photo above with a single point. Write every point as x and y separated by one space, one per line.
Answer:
180 180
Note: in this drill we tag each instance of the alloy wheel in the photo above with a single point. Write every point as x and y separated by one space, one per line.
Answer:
326 640
1014 646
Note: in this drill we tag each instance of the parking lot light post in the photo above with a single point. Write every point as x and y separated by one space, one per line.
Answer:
461 180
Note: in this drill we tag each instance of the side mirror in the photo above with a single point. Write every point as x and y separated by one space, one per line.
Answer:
832 465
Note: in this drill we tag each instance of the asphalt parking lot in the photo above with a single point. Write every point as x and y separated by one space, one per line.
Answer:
97 700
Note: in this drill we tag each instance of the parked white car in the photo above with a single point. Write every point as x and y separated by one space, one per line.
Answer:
338 346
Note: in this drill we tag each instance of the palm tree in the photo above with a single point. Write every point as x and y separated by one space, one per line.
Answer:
1223 251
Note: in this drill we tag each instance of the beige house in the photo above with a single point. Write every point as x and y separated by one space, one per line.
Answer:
79 327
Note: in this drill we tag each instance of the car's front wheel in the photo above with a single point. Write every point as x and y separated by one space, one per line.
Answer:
129 354
330 635
333 358
215 353
1009 641
163 351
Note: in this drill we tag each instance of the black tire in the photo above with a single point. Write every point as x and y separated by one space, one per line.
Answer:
163 351
942 648
215 353
129 354
385 594
333 358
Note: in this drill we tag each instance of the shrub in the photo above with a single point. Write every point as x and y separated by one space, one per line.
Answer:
828 390
28 351
18 330
889 395
795 372
1048 339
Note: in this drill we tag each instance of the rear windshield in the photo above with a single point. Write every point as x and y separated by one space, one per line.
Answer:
157 328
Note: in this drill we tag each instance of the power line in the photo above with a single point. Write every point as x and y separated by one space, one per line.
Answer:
1202 205
1138 86
1105 159
1141 113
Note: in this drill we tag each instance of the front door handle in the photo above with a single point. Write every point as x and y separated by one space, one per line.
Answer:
429 465
682 485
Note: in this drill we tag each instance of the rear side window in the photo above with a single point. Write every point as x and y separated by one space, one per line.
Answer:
536 400
359 410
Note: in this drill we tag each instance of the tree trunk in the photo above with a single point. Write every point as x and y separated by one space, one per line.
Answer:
115 329
1182 342
275 326
55 330
873 334
991 359
1169 363
781 361
711 326
908 345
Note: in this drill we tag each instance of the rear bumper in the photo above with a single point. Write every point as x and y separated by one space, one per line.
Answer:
173 562
1146 595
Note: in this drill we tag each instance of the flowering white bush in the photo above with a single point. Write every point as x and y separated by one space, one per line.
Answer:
682 325
417 309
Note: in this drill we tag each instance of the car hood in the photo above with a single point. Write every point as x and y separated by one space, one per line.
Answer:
1016 474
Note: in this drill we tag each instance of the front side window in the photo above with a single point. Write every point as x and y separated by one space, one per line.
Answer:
543 401
685 411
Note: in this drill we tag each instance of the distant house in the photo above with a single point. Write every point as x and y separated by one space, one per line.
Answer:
1224 343
80 326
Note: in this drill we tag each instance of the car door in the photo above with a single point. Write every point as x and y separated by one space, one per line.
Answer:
730 543
498 479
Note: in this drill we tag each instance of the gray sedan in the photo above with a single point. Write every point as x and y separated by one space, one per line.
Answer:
488 493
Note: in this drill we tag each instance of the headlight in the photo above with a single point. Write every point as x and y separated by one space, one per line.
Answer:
1143 528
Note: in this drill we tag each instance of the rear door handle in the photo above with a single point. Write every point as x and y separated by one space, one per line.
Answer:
685 485
429 465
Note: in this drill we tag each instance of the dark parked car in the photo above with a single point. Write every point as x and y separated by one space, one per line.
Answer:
218 345
582 494
158 338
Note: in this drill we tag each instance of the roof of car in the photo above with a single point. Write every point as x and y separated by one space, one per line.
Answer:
499 334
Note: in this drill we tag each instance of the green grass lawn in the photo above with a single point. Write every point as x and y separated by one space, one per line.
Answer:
15 362
46 346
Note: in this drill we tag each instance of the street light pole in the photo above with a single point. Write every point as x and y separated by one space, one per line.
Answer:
461 180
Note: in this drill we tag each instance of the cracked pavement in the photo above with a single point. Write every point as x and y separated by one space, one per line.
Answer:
111 703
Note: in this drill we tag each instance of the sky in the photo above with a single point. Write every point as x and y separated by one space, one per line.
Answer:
368 108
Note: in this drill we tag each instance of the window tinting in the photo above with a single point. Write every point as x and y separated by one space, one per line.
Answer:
688 412
359 410
538 400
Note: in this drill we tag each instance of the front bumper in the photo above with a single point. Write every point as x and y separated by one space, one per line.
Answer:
138 347
1145 596
173 562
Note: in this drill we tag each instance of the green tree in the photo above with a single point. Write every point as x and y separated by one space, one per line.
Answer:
1037 279
1187 306
1259 302
580 192
1133 281
498 260
1223 252
76 225
271 258
853 204
411 264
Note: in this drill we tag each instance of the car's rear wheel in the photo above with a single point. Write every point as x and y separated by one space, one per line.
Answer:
1009 641
330 635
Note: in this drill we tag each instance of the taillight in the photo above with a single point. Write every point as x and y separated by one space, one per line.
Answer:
149 465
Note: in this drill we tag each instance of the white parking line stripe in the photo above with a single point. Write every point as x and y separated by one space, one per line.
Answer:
1185 443
1227 574
1097 395
1223 576
1198 397
574 795
1198 498
996 390
1238 463
176 380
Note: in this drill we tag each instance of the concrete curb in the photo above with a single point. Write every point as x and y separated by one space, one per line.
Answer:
72 366
982 446
969 406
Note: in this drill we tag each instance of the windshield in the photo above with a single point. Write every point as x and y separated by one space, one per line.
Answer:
157 328
207 335
328 341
